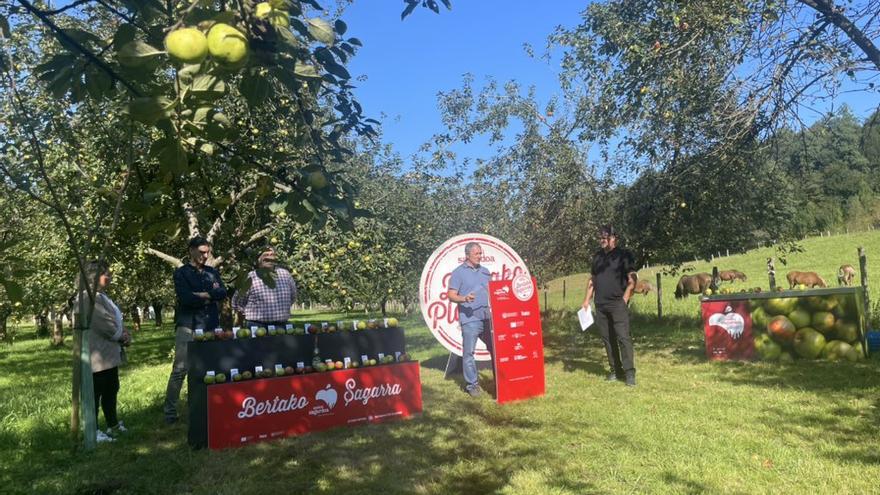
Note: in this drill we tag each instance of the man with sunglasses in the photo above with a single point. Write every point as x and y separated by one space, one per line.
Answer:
612 280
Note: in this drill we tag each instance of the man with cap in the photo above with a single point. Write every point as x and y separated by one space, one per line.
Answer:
265 304
612 280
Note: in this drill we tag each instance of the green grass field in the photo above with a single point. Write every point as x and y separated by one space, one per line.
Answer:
690 426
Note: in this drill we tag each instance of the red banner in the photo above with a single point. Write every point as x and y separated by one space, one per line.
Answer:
240 413
518 342
728 329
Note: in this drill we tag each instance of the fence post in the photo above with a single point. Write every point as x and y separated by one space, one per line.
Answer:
563 293
545 300
863 267
659 299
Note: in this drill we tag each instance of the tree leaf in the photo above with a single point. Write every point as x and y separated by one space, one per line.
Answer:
411 5
136 53
208 86
337 70
340 26
98 82
305 70
14 291
255 88
321 30
149 109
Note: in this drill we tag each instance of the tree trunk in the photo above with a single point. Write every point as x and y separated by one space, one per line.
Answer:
135 317
42 323
157 307
58 329
4 333
384 303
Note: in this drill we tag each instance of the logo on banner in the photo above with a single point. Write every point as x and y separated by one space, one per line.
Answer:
440 314
364 395
522 287
502 293
328 396
732 323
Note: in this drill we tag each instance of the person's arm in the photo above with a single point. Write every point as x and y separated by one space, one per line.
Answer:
631 277
103 322
589 297
240 298
453 292
218 291
454 296
630 286
185 294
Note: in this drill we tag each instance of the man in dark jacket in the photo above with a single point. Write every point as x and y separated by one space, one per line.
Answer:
612 280
198 289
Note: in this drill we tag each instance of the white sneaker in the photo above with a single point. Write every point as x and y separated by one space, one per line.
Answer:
103 437
119 428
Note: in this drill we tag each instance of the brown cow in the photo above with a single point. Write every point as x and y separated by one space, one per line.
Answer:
810 279
732 275
643 287
845 275
692 284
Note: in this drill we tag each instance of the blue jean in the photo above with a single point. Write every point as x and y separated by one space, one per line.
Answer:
183 336
470 332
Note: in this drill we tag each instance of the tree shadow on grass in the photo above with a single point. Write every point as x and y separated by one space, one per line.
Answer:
847 429
677 484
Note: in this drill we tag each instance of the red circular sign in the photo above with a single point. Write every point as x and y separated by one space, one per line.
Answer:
440 314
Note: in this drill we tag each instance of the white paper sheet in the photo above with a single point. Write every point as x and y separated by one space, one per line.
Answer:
586 318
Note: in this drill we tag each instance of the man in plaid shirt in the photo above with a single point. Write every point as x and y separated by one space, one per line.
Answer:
262 305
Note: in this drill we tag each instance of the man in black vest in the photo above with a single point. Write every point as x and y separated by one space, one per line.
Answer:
611 284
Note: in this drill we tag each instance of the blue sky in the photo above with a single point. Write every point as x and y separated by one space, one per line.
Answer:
406 63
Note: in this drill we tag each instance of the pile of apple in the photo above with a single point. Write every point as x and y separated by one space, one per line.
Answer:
217 334
317 366
810 327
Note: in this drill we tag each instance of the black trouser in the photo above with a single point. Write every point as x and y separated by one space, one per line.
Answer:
106 384
612 321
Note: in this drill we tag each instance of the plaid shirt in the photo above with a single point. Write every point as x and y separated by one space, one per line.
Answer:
263 303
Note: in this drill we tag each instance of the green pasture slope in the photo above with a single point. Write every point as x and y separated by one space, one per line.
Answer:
690 426
822 255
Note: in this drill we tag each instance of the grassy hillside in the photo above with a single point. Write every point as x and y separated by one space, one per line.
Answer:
820 254
690 426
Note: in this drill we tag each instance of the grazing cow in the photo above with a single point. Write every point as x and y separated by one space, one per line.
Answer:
643 287
732 275
810 279
845 275
692 284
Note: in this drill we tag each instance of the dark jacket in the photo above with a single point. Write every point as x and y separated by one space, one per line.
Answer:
192 311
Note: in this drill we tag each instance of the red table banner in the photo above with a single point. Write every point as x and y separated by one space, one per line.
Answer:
728 329
240 413
518 341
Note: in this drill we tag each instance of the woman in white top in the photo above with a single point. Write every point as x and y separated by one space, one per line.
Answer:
106 338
